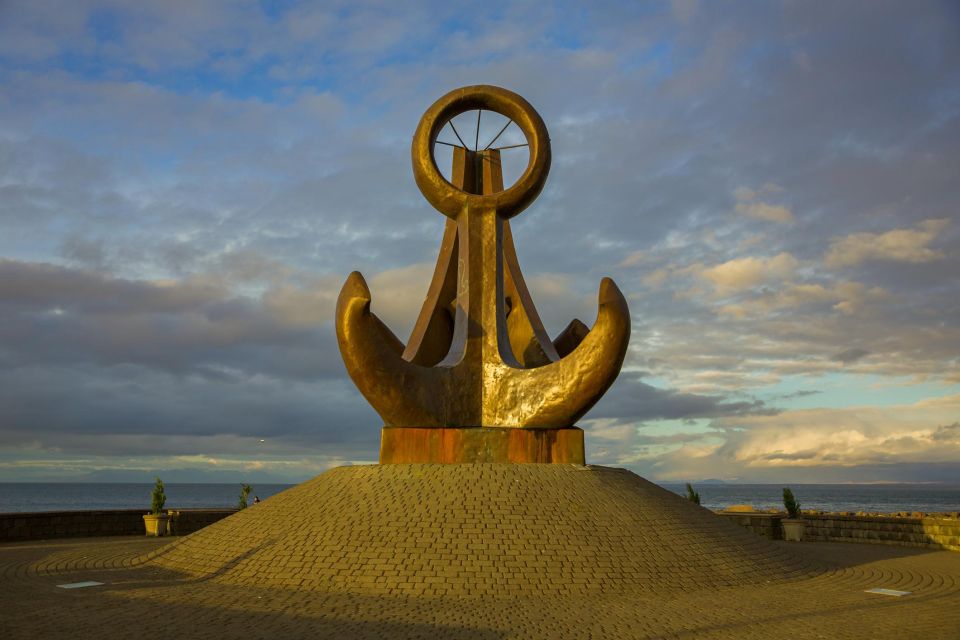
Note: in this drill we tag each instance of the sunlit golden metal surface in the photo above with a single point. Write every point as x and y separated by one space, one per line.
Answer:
478 355
452 200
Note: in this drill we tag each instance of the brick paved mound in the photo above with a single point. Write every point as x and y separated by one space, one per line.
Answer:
484 530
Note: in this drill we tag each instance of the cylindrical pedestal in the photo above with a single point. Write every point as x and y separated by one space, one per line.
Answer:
403 445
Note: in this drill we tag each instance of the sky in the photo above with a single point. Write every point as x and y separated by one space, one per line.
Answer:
185 186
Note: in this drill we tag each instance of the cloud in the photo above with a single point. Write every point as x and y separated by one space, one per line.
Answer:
633 400
743 273
764 211
850 355
305 306
849 436
398 294
38 285
896 245
656 278
867 443
845 297
948 433
749 204
65 316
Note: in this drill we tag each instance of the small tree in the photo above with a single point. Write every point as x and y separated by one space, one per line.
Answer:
158 498
692 495
790 503
244 492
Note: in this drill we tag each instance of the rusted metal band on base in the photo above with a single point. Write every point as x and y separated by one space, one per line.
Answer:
405 445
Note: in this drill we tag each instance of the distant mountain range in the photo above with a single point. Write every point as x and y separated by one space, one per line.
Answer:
224 476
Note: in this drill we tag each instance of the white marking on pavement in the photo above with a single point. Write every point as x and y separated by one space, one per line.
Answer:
888 592
79 585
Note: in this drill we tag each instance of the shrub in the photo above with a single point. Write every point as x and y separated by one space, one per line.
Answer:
244 492
158 498
692 495
790 503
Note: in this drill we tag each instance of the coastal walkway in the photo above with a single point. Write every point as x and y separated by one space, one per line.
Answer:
138 598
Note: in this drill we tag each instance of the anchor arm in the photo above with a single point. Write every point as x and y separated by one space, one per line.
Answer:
558 394
402 393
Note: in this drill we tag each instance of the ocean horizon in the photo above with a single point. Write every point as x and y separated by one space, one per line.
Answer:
22 497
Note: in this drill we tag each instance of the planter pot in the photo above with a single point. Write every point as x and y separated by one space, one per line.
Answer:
792 529
156 524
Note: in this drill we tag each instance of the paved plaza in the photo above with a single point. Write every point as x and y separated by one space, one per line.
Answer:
475 551
135 601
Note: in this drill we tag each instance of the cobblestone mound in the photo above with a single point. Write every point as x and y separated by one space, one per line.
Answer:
479 530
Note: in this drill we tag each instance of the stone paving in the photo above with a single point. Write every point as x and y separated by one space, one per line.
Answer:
479 529
765 590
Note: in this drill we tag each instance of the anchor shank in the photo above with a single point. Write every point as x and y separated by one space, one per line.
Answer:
480 332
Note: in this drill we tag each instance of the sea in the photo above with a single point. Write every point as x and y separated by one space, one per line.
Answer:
870 498
17 497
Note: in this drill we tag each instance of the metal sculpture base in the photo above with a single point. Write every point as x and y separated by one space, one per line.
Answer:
406 445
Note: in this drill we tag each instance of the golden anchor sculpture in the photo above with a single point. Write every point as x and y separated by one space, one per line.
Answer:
479 379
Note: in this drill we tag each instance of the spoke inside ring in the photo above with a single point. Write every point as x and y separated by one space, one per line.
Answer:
457 133
509 122
497 129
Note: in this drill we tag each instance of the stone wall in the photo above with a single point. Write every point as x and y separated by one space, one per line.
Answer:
764 524
934 533
108 522
184 521
925 532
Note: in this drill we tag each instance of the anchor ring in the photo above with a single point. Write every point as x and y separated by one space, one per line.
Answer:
448 199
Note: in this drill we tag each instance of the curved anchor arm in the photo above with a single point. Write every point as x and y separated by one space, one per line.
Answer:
407 394
400 391
558 394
